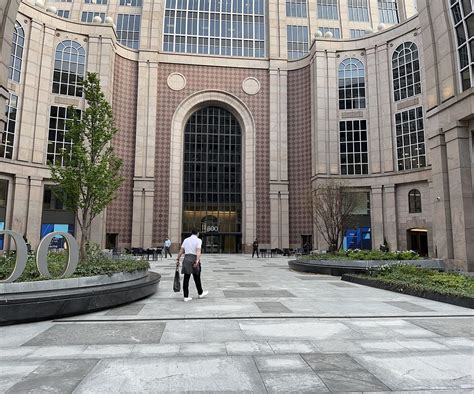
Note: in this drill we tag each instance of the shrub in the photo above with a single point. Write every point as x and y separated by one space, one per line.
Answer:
357 254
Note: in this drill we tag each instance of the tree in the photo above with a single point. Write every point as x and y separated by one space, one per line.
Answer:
332 207
90 172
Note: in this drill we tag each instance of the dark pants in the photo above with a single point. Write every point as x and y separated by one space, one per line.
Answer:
197 281
255 250
167 250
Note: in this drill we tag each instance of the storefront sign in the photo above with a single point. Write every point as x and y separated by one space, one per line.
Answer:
41 254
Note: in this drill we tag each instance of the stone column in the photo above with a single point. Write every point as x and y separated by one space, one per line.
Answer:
390 217
442 228
373 112
461 194
20 204
279 231
35 210
376 216
142 223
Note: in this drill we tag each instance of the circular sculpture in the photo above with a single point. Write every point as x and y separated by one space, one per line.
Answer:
318 34
380 27
251 86
97 19
109 20
52 9
176 81
328 34
39 3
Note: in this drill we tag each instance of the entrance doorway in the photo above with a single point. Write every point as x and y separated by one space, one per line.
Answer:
212 188
418 241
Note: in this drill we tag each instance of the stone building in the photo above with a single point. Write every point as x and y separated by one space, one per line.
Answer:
231 111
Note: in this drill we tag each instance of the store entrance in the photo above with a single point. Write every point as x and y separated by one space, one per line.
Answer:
418 241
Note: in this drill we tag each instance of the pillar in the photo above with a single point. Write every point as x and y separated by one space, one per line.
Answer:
20 204
390 217
35 210
376 218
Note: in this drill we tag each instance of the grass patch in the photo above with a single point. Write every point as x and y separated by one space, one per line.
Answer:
357 254
421 280
98 264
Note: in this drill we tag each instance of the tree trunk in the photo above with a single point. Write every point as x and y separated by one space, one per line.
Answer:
84 236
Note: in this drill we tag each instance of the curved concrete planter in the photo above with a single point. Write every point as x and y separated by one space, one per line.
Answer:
430 295
340 267
32 301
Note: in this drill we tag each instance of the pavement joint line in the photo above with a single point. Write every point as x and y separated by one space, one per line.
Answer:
266 317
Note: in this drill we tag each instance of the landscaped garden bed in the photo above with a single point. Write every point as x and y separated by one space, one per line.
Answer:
365 255
452 288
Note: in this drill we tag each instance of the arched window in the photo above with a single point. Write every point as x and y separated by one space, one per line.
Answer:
351 84
17 53
69 68
414 201
406 71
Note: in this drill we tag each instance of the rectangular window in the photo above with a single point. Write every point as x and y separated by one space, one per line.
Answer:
410 135
88 16
8 136
358 10
128 30
296 8
58 141
336 32
297 41
388 11
356 33
131 3
327 9
64 13
353 147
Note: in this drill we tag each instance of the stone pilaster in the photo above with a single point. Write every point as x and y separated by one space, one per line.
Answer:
390 217
20 204
461 194
142 223
376 216
35 209
374 143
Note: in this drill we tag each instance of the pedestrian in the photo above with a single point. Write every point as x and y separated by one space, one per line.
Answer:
191 248
166 247
255 248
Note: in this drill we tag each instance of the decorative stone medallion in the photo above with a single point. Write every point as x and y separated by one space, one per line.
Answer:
176 81
251 86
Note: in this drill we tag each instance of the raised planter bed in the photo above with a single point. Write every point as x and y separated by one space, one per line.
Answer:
340 267
33 301
466 302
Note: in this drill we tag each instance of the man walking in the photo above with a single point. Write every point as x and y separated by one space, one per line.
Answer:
166 247
191 248
255 248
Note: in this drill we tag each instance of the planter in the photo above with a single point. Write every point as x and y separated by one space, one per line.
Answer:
465 302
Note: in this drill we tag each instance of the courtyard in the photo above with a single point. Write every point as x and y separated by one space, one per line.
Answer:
263 328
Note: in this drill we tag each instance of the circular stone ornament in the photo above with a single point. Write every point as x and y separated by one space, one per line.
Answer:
251 86
176 81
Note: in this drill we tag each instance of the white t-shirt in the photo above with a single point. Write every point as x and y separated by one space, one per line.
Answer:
191 244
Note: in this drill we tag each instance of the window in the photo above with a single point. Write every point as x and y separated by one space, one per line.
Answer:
388 11
336 33
131 3
128 30
297 41
69 68
58 141
351 84
64 13
327 9
414 201
216 27
358 10
98 2
406 71
356 33
353 147
8 135
296 8
410 137
16 57
463 20
88 16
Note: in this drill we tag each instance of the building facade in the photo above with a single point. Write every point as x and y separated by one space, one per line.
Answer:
231 112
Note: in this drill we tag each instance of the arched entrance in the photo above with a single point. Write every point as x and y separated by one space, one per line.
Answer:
212 179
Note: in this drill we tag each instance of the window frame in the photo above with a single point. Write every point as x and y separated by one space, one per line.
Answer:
403 71
414 201
69 50
16 56
350 97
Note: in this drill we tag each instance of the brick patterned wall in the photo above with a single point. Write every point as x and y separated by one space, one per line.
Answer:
124 104
204 78
299 152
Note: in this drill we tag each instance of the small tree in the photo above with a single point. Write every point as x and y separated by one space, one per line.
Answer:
89 177
332 207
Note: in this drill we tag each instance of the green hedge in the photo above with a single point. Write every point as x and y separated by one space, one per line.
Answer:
357 254
97 264
422 279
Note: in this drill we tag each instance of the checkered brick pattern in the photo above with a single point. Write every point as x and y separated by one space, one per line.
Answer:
203 78
299 152
124 104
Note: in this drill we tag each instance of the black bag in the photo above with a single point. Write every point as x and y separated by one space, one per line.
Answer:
177 282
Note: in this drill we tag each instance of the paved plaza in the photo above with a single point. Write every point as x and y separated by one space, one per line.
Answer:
263 328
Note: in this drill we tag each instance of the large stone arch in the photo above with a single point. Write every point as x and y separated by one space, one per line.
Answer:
184 110
8 11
